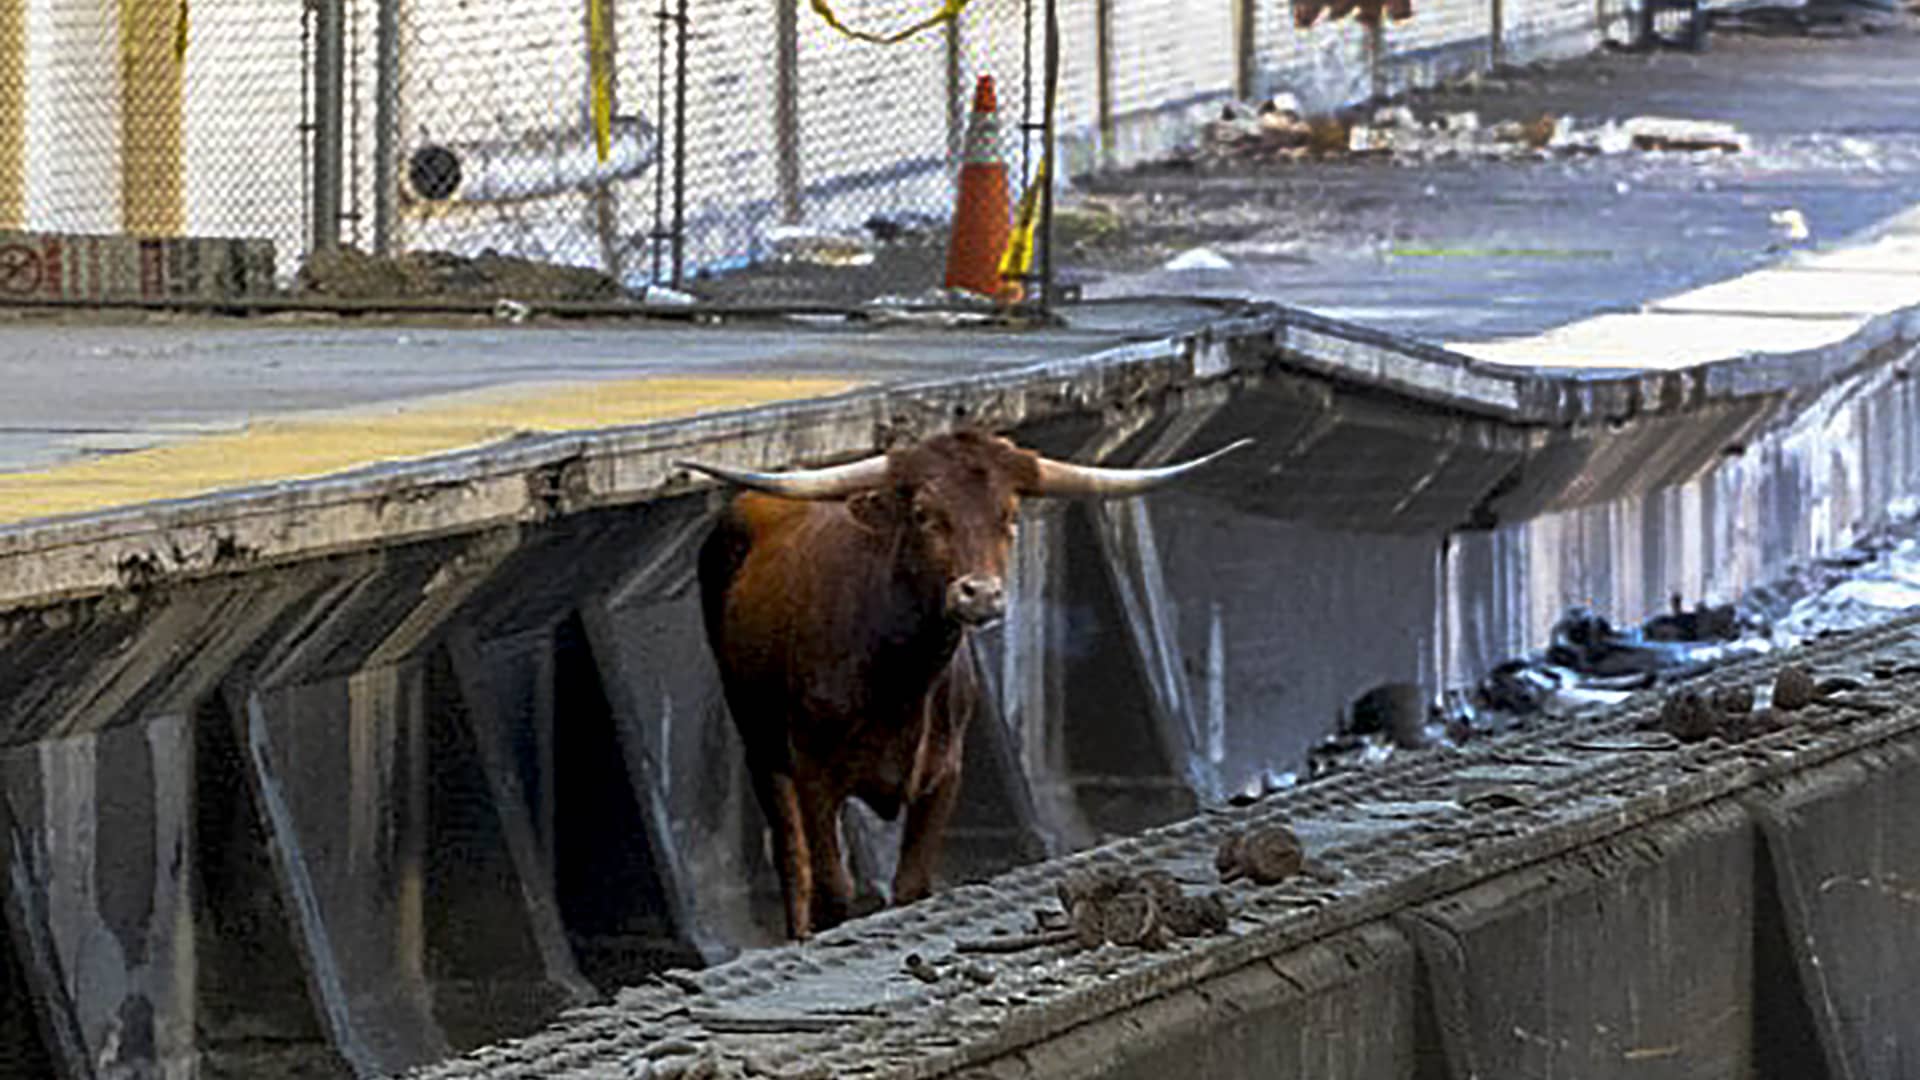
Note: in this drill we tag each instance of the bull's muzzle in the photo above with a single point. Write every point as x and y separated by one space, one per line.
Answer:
977 599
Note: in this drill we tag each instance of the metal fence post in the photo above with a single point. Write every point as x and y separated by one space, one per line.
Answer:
786 106
329 128
681 27
1103 72
386 124
1048 154
957 96
606 214
1246 56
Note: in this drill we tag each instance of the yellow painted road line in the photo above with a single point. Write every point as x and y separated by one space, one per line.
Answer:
303 447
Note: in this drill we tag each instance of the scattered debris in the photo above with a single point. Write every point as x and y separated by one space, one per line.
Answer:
978 974
1589 662
1395 710
1687 716
1733 700
731 1023
1267 856
907 227
1276 128
1108 905
934 307
349 274
1791 222
1649 740
1814 20
1275 133
667 297
1705 623
1793 689
917 966
1013 943
1199 259
818 247
1656 133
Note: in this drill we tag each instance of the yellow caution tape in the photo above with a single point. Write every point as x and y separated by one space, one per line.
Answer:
600 75
180 33
1017 261
949 11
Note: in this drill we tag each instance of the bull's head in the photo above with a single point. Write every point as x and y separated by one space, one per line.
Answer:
952 501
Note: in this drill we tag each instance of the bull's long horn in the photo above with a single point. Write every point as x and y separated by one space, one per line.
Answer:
1060 478
833 482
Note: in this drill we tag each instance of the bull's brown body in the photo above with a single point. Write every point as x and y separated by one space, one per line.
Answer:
842 661
838 620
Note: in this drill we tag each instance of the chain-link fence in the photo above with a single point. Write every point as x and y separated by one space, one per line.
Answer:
756 153
737 152
155 118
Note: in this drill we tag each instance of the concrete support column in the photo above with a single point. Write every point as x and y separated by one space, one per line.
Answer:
1031 690
104 860
151 125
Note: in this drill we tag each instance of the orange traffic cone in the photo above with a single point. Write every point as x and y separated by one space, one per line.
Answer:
983 219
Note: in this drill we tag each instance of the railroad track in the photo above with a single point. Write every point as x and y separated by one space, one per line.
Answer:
848 1004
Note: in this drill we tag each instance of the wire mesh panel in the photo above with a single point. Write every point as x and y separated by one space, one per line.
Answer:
154 118
493 132
756 153
863 185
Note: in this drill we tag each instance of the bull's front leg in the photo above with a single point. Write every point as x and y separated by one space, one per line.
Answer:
927 818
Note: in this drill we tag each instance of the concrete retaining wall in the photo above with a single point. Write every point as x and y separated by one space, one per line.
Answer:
1749 937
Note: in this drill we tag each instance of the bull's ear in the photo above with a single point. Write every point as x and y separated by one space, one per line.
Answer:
872 509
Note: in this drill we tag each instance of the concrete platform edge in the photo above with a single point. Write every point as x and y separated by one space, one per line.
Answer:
537 477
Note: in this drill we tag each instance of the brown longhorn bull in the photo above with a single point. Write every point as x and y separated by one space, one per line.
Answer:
836 602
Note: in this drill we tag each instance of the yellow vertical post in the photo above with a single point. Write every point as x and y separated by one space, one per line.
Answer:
13 114
151 91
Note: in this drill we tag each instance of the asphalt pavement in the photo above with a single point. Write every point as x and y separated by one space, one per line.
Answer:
1453 250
